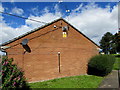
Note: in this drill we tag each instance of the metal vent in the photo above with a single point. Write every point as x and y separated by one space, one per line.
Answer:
65 28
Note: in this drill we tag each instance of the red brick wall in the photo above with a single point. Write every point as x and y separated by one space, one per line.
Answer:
42 63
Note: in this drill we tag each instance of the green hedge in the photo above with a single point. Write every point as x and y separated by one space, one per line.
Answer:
101 65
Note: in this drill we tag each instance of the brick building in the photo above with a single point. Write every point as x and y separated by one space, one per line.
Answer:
54 50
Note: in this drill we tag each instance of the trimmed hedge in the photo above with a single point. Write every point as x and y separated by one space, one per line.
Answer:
101 65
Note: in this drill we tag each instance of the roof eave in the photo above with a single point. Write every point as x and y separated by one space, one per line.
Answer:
14 39
10 41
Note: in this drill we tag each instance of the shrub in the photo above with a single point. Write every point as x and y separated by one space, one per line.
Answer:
12 76
101 65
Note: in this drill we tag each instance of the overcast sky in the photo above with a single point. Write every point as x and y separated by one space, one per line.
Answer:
92 19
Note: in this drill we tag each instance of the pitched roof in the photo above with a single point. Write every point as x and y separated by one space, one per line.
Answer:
10 41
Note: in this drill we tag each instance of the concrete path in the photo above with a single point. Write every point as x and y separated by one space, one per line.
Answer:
111 81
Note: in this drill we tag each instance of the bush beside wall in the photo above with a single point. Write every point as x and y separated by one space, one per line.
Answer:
12 76
101 65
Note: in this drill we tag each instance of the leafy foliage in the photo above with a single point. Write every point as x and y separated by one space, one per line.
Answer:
101 65
12 76
116 41
110 43
105 42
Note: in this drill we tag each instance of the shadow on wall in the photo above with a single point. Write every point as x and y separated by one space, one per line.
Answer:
27 48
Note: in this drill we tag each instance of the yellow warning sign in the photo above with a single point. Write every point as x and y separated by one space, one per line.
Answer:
64 34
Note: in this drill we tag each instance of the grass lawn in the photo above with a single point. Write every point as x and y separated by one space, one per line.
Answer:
116 65
83 81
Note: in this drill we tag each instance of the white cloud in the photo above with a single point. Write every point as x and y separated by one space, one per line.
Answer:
1 21
12 1
78 8
35 11
91 20
17 11
45 17
57 10
46 10
119 15
1 8
94 21
9 33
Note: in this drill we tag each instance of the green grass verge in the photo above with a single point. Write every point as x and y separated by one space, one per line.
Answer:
84 81
117 64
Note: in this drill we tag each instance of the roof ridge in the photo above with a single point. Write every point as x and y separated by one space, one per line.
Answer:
10 41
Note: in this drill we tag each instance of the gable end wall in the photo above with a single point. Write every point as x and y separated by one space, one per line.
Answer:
42 63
